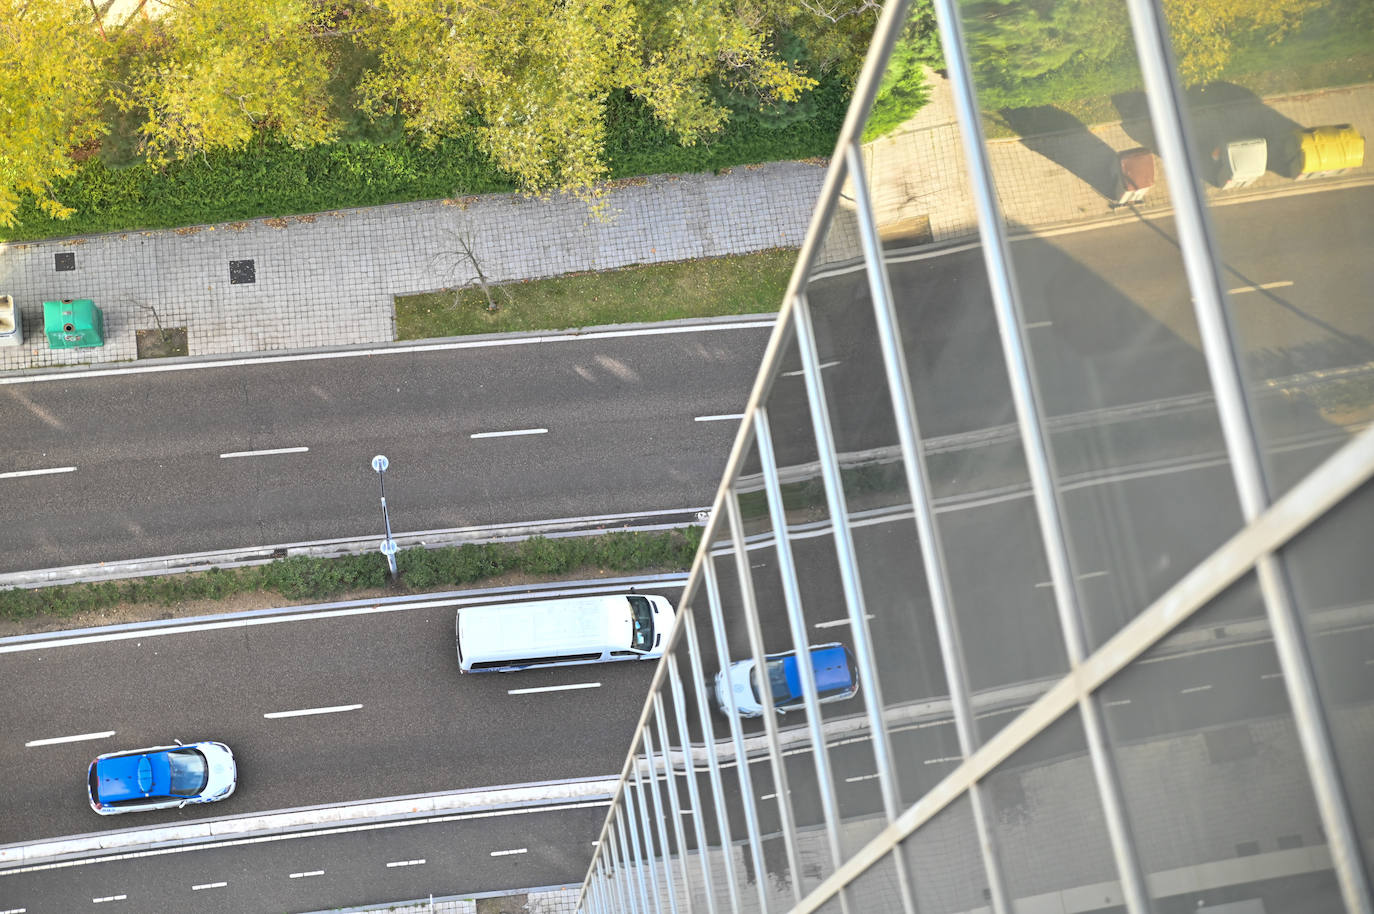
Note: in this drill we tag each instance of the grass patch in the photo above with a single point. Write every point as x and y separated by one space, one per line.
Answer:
306 578
736 284
375 164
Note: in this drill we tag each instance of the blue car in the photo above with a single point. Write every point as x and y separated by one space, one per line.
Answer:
163 777
837 678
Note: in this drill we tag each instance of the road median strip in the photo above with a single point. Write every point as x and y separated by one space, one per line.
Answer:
78 849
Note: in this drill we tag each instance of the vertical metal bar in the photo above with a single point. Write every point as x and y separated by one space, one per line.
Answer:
1039 462
847 557
623 868
597 887
1168 112
765 695
693 794
708 737
727 698
660 819
643 808
923 508
796 621
670 781
643 860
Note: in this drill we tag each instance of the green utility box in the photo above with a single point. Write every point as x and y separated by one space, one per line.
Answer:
72 323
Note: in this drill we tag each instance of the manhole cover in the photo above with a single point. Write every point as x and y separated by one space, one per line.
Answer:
242 271
64 262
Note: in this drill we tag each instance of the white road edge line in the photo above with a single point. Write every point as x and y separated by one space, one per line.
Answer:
208 885
723 417
558 688
762 324
273 715
305 875
419 862
53 741
517 431
518 850
1264 285
265 453
17 473
837 622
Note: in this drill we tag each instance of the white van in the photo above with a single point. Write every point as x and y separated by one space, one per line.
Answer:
516 636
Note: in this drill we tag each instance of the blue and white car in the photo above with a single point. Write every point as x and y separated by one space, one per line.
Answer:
837 678
163 777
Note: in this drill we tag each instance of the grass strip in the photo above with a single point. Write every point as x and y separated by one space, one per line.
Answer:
421 570
735 284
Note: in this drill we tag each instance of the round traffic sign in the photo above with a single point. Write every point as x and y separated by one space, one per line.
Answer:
380 463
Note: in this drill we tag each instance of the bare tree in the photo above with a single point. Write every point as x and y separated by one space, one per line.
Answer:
464 256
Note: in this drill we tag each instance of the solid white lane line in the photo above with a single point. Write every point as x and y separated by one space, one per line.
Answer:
823 365
861 777
559 688
516 431
209 885
109 898
1264 285
407 863
17 473
304 711
307 875
723 417
518 850
836 622
1203 688
53 741
569 337
265 453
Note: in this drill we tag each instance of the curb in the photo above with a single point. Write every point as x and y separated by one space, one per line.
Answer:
648 522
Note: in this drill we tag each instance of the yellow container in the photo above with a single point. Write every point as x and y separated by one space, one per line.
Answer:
1323 150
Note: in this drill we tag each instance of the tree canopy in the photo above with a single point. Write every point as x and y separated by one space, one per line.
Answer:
528 79
51 61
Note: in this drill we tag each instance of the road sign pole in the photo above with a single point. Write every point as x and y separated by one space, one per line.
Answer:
380 463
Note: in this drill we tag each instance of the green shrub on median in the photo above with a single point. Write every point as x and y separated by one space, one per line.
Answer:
306 578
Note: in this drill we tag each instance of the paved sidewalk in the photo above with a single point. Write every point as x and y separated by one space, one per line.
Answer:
918 178
327 279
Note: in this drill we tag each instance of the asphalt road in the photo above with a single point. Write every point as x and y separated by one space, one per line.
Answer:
620 416
420 727
341 869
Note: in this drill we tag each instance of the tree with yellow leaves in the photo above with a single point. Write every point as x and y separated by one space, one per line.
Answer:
51 81
212 74
531 77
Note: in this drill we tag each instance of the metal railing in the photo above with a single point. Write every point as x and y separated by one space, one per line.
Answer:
667 846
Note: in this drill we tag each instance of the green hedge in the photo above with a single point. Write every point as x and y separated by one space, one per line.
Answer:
306 578
269 179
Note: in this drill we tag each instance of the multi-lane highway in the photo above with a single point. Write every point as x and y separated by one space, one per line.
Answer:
222 457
